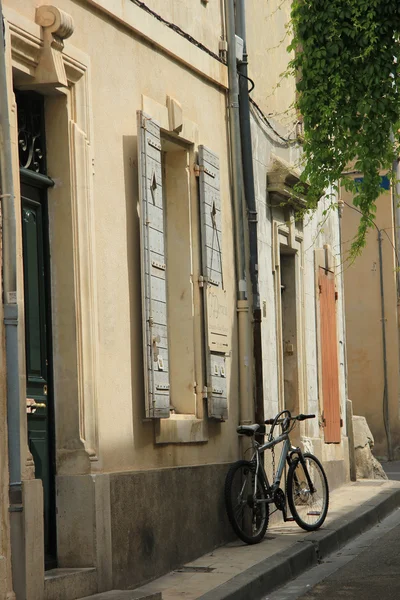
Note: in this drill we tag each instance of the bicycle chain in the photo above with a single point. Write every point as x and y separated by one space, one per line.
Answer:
273 463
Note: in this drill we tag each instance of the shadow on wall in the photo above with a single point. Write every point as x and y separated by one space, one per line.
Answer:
163 519
143 431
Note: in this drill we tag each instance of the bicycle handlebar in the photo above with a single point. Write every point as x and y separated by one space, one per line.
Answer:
304 417
300 417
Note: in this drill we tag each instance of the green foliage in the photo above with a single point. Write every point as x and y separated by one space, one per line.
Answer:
348 95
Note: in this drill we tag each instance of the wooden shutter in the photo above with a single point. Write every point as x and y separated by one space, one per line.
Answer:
329 356
215 307
154 269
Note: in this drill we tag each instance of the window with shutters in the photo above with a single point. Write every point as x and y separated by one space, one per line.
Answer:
169 234
167 273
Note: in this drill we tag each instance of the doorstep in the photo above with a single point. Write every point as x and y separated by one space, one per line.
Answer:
239 572
68 584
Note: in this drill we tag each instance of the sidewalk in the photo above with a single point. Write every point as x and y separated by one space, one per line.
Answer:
240 572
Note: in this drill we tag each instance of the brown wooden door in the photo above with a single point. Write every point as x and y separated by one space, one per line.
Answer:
329 355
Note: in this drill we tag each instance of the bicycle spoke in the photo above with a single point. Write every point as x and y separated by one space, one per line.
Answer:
310 507
248 517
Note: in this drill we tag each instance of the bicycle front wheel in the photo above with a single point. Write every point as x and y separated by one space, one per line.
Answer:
309 507
248 512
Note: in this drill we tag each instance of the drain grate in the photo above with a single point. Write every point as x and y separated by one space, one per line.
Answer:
194 570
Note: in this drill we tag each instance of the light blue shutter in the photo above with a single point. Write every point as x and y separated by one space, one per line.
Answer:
211 234
154 268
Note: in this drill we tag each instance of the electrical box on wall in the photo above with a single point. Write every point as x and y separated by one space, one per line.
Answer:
239 48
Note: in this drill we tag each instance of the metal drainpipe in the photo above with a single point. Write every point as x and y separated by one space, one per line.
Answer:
386 420
395 187
396 209
245 399
10 314
248 179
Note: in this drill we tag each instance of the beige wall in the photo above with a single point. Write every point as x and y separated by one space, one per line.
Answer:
267 40
126 441
120 60
201 19
280 236
364 325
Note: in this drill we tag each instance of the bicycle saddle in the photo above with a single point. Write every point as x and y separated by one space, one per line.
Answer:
248 430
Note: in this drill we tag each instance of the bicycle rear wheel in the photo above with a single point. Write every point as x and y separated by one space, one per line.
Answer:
247 515
308 508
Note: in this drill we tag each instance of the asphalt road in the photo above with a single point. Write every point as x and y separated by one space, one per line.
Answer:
392 470
374 574
368 568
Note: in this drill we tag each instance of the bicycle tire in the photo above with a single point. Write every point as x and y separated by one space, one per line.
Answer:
302 503
256 515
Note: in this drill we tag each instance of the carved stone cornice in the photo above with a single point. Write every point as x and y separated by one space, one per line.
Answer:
25 47
282 179
57 26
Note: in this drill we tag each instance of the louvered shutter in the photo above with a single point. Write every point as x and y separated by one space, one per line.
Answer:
214 293
329 356
154 269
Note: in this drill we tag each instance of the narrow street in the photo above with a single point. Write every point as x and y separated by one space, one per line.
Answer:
373 574
366 568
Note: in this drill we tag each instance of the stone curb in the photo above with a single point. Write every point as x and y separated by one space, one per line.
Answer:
277 570
124 595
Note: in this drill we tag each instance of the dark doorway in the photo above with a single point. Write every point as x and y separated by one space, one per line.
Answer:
289 333
36 270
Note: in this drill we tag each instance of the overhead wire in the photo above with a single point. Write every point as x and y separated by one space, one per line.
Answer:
178 30
377 228
204 48
265 119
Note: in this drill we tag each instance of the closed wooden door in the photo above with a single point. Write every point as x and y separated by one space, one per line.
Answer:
329 356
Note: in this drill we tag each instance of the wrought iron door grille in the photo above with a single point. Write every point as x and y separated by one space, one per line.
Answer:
31 132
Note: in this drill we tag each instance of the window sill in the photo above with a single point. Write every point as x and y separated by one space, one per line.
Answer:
181 429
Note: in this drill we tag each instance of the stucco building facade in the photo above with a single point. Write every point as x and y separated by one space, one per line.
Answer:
372 329
135 356
300 275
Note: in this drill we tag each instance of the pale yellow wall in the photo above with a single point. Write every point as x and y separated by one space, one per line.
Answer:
122 69
267 40
363 323
202 20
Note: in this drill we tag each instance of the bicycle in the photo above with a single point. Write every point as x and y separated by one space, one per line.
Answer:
248 492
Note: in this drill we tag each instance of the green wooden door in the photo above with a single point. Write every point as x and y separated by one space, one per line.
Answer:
38 350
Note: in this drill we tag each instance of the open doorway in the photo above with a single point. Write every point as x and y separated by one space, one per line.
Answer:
288 333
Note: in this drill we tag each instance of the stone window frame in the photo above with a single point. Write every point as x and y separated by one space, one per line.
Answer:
184 428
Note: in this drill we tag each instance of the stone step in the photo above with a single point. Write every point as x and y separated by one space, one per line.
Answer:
69 584
125 595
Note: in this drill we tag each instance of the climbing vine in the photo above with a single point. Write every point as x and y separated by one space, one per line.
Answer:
348 95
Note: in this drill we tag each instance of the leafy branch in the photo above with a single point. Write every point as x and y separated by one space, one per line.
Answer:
348 95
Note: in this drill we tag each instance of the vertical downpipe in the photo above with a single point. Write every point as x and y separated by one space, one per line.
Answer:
249 192
245 399
386 417
10 320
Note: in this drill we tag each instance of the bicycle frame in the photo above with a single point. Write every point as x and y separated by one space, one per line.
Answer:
287 453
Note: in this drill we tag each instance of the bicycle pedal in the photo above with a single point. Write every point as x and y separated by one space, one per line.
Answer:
289 519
